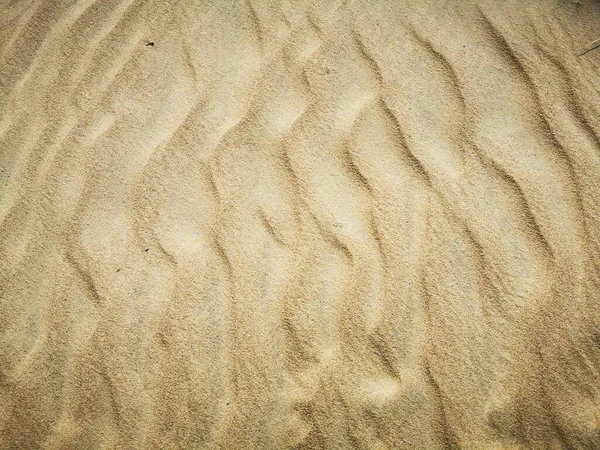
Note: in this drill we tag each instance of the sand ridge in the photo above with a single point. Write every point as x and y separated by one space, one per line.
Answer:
312 225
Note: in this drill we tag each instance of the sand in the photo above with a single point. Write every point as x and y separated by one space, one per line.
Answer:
272 224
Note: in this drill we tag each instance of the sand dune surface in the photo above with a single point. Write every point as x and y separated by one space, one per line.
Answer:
273 224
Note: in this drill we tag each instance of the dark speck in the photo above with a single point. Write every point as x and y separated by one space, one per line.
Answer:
150 44
162 339
118 270
146 249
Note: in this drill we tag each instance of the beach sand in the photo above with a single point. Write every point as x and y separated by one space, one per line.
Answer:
273 224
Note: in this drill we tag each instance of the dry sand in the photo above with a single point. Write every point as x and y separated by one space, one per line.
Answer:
284 224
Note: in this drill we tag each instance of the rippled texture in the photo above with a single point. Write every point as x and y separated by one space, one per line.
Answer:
271 224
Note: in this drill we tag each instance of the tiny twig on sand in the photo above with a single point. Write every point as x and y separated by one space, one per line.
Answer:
591 46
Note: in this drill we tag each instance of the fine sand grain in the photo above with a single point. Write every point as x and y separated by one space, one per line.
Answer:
273 224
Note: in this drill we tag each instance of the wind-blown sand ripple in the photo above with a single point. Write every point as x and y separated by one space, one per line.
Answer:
314 225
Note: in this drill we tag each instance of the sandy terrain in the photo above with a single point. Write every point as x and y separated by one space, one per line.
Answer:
272 224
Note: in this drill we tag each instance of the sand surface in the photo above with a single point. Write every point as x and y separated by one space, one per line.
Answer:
272 224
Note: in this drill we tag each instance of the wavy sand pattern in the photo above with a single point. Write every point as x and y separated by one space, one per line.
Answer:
269 224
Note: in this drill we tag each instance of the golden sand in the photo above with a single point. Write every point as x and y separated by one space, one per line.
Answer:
272 224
